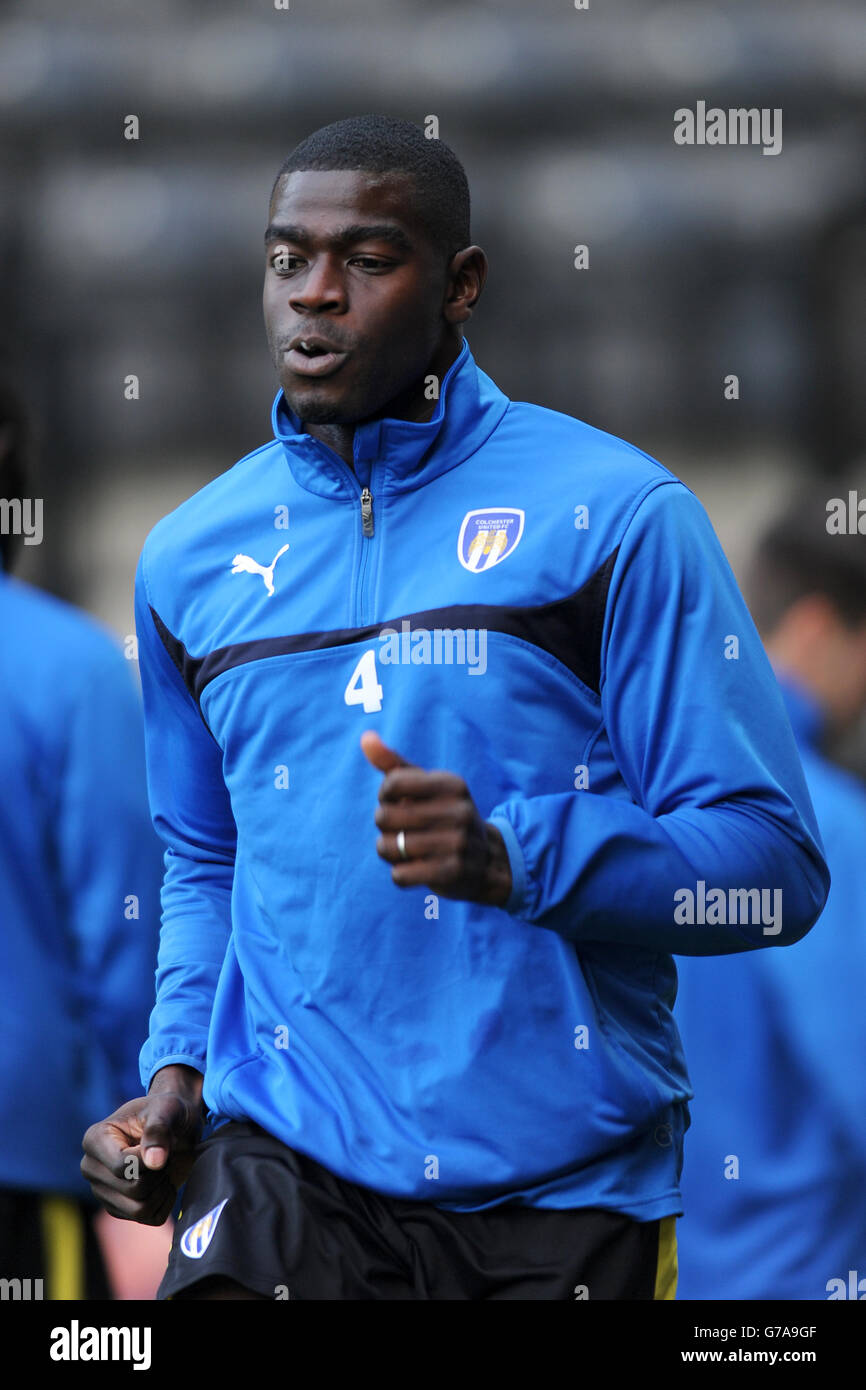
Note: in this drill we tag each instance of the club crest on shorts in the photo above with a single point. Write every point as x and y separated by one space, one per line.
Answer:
197 1238
488 535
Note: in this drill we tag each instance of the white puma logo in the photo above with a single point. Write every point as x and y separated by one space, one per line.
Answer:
242 564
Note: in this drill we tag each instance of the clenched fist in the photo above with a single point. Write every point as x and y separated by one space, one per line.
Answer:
136 1160
448 846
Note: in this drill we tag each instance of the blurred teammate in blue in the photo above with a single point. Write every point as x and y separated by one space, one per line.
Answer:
775 1160
80 871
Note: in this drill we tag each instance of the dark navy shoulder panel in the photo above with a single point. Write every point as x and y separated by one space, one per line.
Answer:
569 629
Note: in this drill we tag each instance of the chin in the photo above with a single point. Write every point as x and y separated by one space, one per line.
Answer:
317 413
316 408
313 408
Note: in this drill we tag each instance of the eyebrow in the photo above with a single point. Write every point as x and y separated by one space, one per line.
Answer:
343 236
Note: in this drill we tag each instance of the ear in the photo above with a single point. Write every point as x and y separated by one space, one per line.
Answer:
467 272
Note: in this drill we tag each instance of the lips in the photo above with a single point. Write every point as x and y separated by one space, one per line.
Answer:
313 356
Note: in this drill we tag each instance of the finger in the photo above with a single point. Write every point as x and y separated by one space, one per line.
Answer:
423 815
115 1203
162 1120
133 1179
106 1146
415 783
92 1170
437 874
433 845
379 754
130 1208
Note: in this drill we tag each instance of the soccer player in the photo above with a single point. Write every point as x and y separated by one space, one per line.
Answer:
79 902
775 1160
439 722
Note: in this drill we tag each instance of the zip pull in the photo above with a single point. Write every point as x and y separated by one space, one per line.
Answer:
367 511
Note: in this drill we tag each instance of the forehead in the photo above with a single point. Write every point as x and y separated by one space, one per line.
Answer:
321 198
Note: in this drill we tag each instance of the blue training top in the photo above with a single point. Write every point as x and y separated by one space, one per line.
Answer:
775 1160
580 609
80 871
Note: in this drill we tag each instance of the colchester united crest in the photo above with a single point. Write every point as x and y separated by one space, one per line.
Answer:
489 535
196 1240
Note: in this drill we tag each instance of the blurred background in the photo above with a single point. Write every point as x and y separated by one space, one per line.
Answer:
143 257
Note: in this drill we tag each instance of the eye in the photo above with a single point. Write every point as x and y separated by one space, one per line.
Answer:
283 261
371 262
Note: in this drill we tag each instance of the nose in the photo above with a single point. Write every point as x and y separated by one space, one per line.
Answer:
319 288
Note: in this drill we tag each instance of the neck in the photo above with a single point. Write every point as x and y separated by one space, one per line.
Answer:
410 404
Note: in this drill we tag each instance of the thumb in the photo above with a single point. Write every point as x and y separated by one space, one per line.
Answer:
379 754
164 1117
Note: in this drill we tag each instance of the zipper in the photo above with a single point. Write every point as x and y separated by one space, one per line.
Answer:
367 536
366 499
367 511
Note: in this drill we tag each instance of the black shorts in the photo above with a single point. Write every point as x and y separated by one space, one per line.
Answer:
275 1221
49 1248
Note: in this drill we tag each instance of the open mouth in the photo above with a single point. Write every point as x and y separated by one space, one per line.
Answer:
312 357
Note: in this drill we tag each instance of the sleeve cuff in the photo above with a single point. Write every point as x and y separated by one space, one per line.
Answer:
517 898
173 1059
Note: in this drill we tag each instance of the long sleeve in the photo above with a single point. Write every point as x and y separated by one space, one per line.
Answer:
816 993
192 814
714 798
108 865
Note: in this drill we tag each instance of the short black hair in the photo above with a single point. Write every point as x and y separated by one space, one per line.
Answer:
796 556
388 145
16 441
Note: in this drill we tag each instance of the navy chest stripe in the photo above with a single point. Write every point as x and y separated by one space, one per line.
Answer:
568 628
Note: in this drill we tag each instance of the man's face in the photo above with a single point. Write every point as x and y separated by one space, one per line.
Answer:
348 268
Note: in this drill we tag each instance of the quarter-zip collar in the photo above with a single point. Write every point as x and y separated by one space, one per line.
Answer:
407 453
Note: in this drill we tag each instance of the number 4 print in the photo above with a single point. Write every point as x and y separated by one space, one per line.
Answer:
364 688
